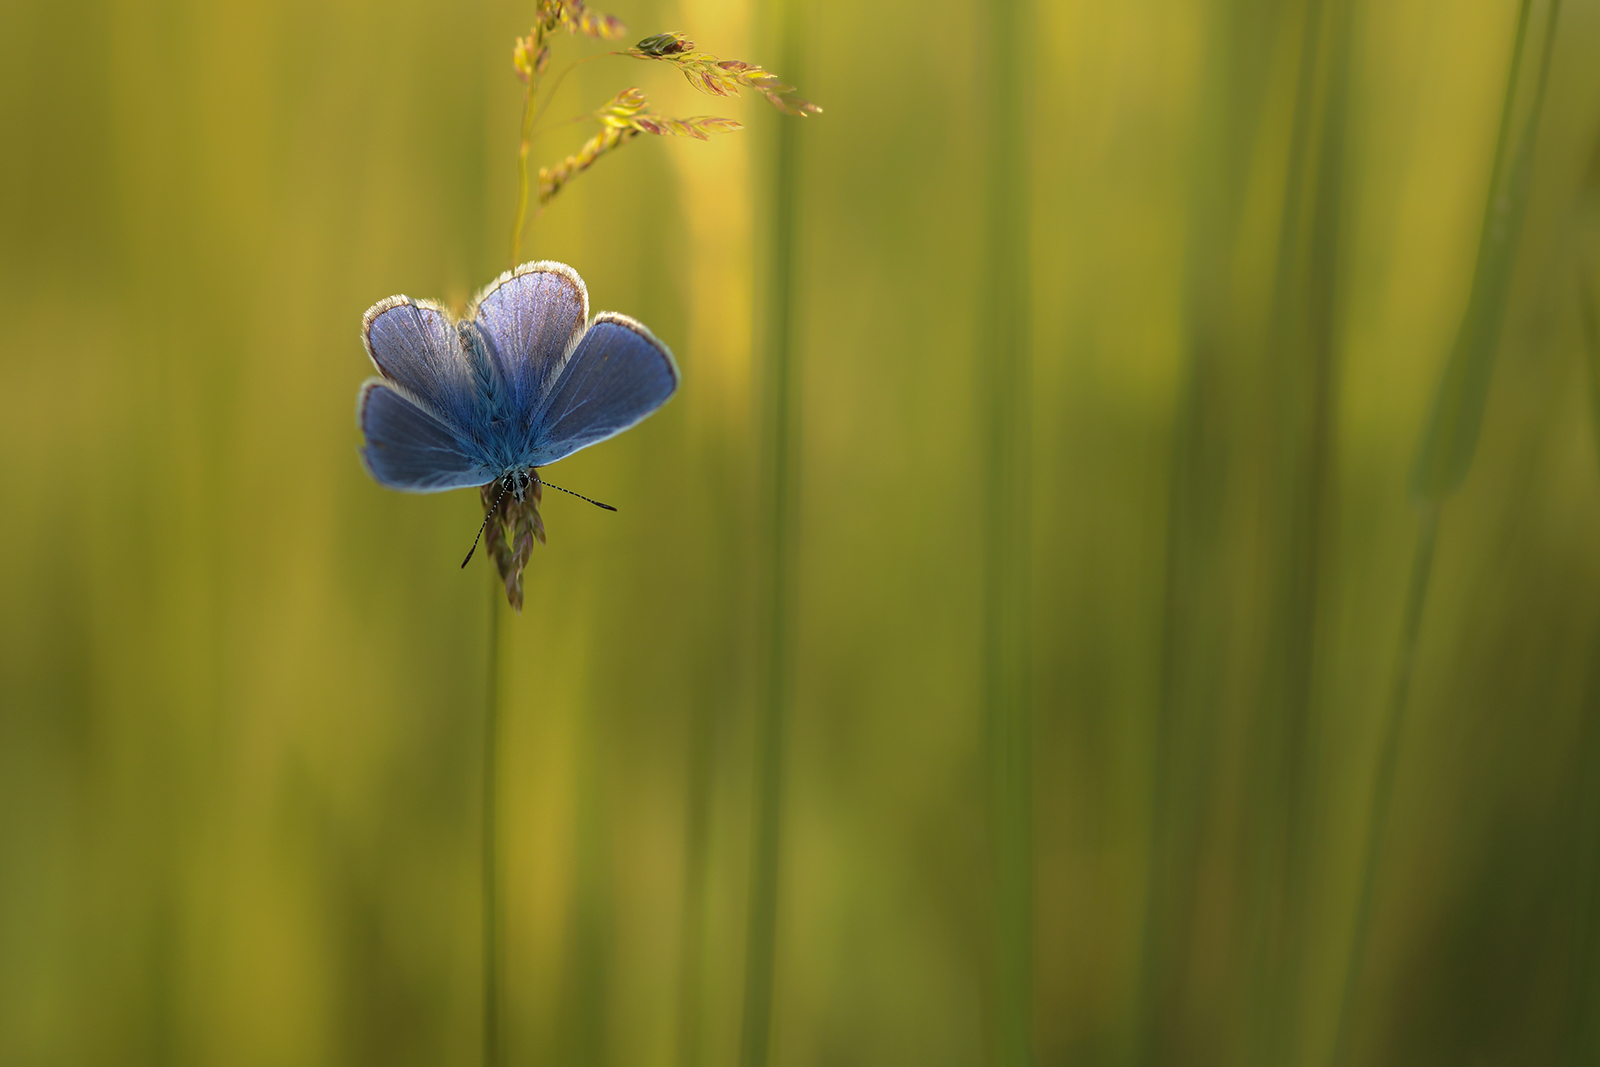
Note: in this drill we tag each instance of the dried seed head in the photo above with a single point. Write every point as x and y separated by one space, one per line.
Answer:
513 526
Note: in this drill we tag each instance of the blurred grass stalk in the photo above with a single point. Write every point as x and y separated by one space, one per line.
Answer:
781 503
1582 1030
1186 722
1005 425
1302 343
1589 322
1445 453
491 835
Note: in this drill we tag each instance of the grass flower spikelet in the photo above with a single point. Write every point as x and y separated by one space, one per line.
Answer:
623 119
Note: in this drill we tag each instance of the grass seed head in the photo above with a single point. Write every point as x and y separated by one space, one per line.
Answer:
578 18
721 77
623 118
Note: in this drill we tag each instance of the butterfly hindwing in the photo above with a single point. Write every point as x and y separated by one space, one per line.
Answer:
409 447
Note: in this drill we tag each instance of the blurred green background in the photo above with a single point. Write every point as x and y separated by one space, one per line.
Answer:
241 686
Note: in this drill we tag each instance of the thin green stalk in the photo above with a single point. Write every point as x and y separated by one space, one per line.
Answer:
1266 849
529 126
490 874
1383 782
530 119
1146 1043
524 146
782 505
1004 367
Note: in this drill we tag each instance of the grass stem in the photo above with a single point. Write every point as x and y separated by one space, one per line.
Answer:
1006 429
782 478
1187 720
1383 782
524 146
1582 1030
490 873
1303 339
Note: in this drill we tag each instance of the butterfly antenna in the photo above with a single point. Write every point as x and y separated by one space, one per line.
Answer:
580 496
485 526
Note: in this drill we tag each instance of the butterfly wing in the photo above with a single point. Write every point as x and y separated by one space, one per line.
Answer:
520 382
530 318
409 447
618 374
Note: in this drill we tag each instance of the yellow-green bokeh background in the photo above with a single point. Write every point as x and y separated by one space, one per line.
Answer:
241 685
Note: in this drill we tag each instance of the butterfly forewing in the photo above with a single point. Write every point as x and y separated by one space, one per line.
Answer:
414 344
530 317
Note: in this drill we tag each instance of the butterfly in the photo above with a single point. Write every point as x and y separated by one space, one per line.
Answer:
522 380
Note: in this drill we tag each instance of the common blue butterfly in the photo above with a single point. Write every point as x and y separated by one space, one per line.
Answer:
522 380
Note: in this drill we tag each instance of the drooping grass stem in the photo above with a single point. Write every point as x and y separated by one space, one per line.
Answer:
1446 451
1450 440
782 481
490 872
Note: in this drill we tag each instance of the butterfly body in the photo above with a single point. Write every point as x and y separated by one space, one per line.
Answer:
522 380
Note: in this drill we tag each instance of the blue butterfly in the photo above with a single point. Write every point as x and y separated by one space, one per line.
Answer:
524 379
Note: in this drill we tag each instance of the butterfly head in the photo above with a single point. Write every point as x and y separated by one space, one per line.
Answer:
518 481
